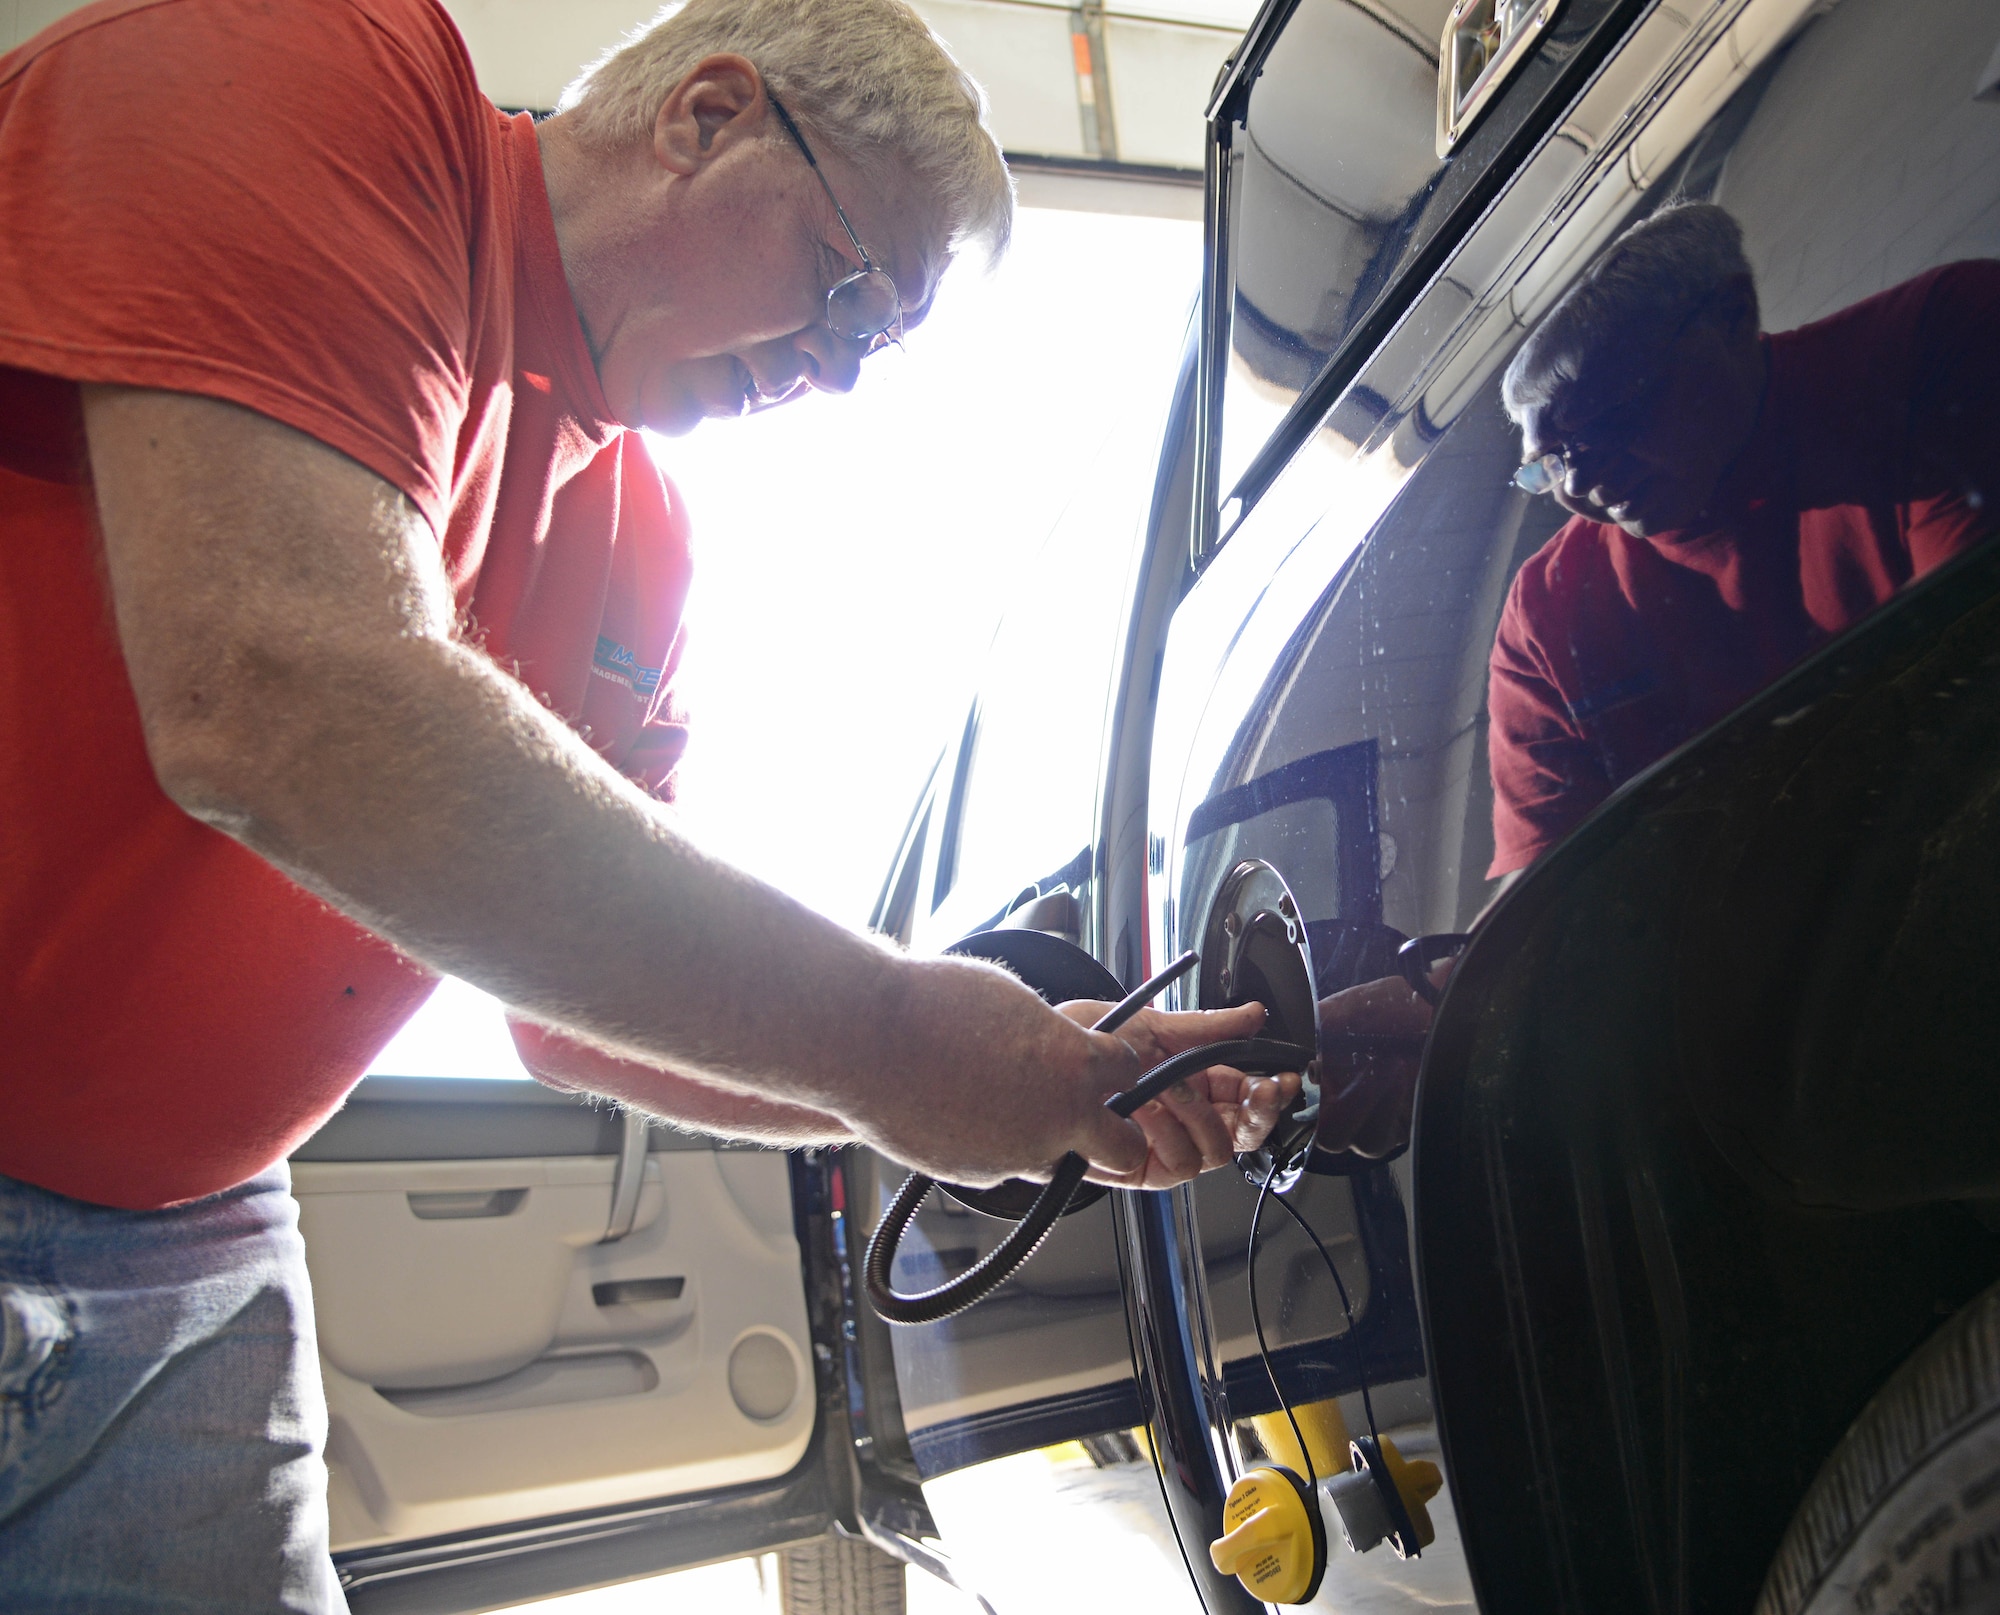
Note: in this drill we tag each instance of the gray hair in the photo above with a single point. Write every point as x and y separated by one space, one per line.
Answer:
1657 273
866 76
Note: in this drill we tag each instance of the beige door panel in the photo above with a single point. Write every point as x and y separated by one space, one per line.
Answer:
490 1357
449 1272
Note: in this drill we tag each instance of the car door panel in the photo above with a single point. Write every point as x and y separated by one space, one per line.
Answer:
1669 1303
1348 616
490 1357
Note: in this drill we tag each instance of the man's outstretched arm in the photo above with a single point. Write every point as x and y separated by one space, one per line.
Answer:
1198 1124
291 641
565 1062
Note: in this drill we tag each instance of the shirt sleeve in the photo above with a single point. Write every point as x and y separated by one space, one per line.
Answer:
1547 776
275 205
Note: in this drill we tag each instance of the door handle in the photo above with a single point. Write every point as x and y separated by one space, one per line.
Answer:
455 1205
628 1178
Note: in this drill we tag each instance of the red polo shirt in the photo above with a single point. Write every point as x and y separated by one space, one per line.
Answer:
1876 456
307 209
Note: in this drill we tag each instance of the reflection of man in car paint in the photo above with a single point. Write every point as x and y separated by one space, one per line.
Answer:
1738 499
338 604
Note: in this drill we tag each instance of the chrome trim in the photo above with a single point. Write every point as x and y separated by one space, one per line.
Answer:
1218 300
628 1180
1456 113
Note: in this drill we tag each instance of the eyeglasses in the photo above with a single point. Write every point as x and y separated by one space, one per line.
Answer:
865 306
1615 425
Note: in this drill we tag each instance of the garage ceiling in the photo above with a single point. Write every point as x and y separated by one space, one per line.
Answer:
1100 105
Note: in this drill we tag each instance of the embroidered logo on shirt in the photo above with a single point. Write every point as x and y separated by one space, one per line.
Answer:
614 662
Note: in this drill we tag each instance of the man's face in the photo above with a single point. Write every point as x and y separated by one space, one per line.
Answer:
725 310
1652 418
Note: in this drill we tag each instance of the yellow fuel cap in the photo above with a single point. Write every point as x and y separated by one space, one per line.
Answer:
1274 1541
1417 1481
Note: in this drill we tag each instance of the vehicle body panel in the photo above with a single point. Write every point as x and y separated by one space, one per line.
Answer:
1305 682
1656 1303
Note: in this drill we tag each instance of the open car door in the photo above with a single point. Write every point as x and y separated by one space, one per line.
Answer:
562 1347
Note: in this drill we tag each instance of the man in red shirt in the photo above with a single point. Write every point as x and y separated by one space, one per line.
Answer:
1738 499
339 607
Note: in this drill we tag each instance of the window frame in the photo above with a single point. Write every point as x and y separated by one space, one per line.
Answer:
1563 61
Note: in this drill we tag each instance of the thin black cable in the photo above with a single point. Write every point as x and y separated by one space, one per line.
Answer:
1361 1372
1257 1319
1142 1382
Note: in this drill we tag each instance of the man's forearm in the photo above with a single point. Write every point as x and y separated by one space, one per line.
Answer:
420 789
562 1062
303 686
391 796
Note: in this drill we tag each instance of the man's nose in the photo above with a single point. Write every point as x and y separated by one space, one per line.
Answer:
830 363
1582 469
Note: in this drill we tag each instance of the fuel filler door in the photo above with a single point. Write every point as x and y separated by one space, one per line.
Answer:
1255 949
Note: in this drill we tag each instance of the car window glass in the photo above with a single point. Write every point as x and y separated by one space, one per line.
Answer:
1027 810
1335 159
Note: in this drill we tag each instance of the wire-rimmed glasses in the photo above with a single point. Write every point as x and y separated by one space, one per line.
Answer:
1616 425
864 306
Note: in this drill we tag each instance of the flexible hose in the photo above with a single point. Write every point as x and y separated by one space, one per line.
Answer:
1255 1054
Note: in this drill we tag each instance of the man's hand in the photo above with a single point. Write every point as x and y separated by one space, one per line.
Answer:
1366 1099
1029 1072
1206 1120
1201 1123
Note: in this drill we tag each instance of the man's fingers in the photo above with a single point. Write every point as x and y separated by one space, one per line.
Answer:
1185 1141
1190 1105
1263 1102
1116 1149
1156 1034
1199 1125
1176 1156
1177 1030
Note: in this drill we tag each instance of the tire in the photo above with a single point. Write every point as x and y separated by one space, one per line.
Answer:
1904 1518
839 1575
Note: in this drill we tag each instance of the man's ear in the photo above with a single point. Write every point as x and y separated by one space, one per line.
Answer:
719 102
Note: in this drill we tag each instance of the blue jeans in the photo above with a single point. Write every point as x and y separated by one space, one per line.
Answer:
162 1424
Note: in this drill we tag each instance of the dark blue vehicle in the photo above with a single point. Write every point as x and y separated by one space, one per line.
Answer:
1682 1297
1707 1143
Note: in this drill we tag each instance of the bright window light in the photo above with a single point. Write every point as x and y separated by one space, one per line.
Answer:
853 554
